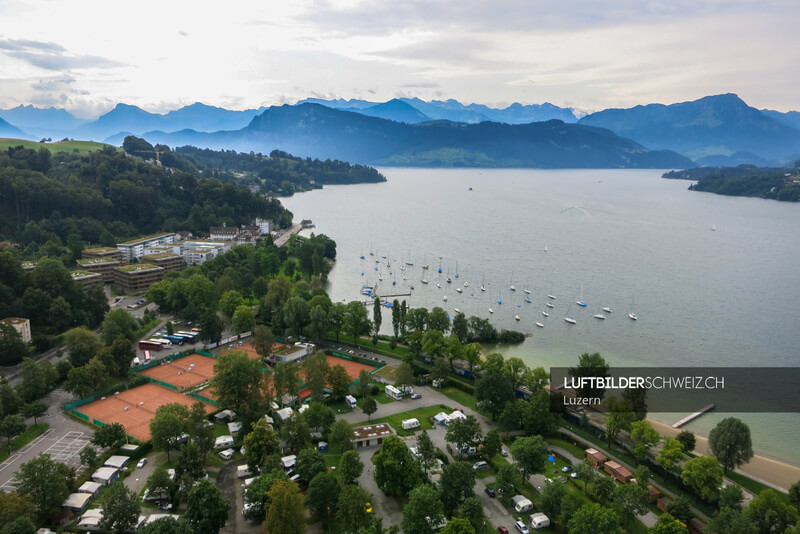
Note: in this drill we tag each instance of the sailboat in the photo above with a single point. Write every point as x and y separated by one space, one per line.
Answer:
516 317
409 256
713 227
438 285
599 316
424 281
499 300
544 312
445 298
456 275
580 301
607 309
633 316
569 319
424 265
511 287
540 325
459 290
527 291
491 310
449 280
551 297
545 247
483 283
440 265
548 305
528 300
456 310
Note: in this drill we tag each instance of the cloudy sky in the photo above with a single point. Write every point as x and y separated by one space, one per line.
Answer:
86 55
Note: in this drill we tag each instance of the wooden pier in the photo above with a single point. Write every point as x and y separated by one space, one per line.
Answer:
695 415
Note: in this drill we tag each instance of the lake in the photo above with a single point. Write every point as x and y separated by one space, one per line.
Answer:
624 239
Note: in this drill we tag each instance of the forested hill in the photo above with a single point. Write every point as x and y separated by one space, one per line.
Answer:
778 183
271 172
106 195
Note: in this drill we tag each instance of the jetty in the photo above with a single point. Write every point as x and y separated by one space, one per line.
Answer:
695 415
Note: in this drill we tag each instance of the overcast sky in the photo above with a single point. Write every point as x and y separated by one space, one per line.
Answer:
87 55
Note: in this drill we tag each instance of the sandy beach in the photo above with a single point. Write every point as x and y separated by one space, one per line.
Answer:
761 468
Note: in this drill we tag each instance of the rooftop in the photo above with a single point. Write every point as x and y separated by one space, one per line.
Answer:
96 261
78 274
13 320
139 267
373 431
160 256
100 250
145 238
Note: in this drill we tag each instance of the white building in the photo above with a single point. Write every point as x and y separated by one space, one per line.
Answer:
263 225
23 326
135 248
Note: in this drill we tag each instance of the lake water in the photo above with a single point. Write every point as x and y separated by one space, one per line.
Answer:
624 239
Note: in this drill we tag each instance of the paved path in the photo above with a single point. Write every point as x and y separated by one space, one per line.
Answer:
284 238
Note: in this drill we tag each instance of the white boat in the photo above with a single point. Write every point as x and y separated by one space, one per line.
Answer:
607 310
545 313
438 285
380 278
545 248
491 310
633 316
599 316
456 310
459 290
466 284
516 317
512 288
425 266
581 303
483 288
713 227
528 300
548 305
553 297
424 281
527 291
540 325
570 320
444 298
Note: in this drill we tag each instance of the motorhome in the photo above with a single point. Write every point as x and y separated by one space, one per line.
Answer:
393 393
351 401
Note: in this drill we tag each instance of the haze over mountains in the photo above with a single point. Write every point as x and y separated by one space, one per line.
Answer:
714 130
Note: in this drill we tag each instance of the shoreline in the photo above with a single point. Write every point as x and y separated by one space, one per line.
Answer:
767 470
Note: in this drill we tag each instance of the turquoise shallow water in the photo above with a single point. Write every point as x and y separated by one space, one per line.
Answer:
625 239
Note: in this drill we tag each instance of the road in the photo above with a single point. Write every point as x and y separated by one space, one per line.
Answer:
284 238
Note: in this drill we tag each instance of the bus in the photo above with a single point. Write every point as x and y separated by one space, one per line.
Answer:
166 343
147 344
176 339
190 335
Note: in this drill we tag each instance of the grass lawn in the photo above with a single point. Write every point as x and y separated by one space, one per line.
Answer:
568 446
23 439
396 420
465 399
58 147
751 485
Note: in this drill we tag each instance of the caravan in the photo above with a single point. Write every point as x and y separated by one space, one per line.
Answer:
408 424
393 393
351 401
521 504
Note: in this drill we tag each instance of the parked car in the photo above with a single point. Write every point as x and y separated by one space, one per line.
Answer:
502 530
416 396
480 465
142 463
574 475
566 469
504 453
490 492
522 528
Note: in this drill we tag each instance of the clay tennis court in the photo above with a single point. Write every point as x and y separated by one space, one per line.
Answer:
244 347
136 418
184 373
352 368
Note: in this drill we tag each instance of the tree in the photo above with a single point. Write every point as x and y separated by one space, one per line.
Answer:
396 472
472 511
510 417
200 431
680 509
437 320
603 488
121 354
667 524
351 506
644 436
459 525
505 481
229 301
630 500
731 496
88 456
530 454
310 463
377 317
590 365
284 379
472 353
336 318
168 425
12 348
771 513
441 368
110 436
423 510
493 391
161 484
119 323
637 400
339 381
356 322
730 442
730 521
457 483
594 519
570 505
492 444
552 495
43 480
121 508
369 407
585 471
340 436
82 344
10 427
405 376
20 525
244 319
295 314
350 467
363 385
618 419
464 433
295 432
318 322
238 381
794 494
704 475
190 462
34 383
256 495
167 525
82 381
426 450
460 328
323 494
319 417
434 344
263 339
210 327
670 454
206 509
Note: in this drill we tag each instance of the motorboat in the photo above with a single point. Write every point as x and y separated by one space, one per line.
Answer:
444 298
516 317
527 291
633 316
545 313
491 310
424 281
548 305
607 309
599 316
570 320
528 300
540 325
552 297
459 290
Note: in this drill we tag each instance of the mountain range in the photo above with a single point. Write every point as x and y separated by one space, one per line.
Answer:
714 130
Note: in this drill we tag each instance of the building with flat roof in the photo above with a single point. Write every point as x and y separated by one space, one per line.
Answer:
224 233
103 266
135 248
86 278
292 353
166 260
102 252
371 435
78 502
23 326
198 252
137 277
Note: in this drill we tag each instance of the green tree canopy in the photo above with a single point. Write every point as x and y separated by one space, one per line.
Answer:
730 442
396 472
